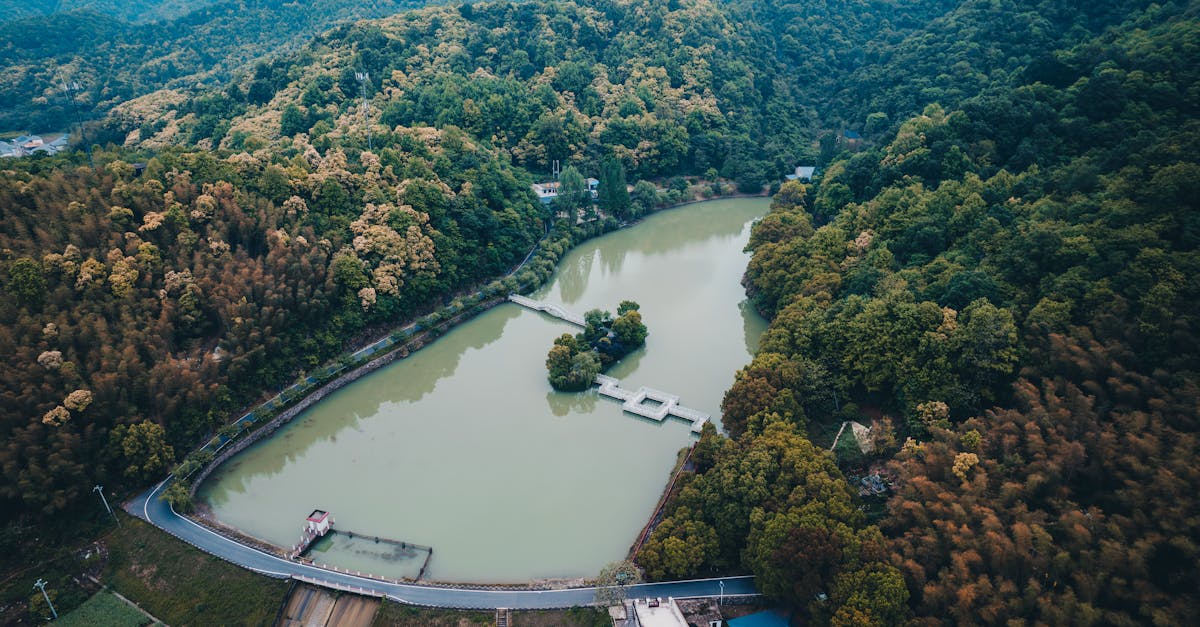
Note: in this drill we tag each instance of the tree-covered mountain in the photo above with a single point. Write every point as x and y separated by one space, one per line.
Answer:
143 306
114 60
1007 287
126 10
670 87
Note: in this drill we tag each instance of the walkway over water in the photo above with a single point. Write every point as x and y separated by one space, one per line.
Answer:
550 308
660 406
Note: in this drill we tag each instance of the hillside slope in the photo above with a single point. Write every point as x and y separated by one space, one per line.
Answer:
114 60
1007 288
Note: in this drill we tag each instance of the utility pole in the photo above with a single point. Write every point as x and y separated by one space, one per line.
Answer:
72 89
100 490
363 77
41 585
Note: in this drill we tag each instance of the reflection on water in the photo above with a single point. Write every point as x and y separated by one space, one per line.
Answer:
422 378
574 278
752 326
464 446
561 404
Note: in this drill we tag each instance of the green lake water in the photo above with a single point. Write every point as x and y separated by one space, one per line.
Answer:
464 447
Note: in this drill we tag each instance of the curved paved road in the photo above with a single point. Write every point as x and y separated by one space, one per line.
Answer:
158 512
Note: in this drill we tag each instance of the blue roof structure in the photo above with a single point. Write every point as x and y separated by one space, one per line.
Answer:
761 619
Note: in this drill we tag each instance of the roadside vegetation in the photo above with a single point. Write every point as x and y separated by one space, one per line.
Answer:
182 585
172 580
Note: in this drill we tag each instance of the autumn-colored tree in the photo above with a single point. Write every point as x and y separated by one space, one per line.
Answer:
142 450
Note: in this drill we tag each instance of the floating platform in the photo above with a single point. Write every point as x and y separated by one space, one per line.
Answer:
660 406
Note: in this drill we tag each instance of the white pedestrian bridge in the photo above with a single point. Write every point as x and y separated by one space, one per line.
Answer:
646 402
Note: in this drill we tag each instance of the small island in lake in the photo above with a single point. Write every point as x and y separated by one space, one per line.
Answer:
575 360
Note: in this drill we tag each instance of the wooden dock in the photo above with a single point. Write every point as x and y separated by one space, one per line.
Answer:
660 405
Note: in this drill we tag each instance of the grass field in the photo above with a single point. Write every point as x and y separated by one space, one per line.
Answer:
397 615
103 609
183 586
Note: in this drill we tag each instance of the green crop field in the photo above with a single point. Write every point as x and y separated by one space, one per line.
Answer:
104 609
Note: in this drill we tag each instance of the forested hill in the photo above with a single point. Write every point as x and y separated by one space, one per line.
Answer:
674 87
1005 290
126 10
113 59
979 46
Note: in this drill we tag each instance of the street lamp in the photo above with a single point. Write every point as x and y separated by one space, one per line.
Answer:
721 599
100 490
41 585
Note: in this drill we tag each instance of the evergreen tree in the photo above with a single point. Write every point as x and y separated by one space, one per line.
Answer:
613 195
293 121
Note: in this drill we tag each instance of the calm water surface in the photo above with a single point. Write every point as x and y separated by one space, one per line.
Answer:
466 448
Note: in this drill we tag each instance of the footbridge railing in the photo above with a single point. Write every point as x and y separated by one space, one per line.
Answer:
550 308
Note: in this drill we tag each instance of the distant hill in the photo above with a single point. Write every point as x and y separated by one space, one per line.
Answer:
117 50
126 10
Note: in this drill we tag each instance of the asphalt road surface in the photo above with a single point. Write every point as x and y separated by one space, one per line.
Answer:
148 506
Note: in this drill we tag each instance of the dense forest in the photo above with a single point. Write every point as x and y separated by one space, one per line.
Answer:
1007 289
127 10
143 305
994 269
77 62
644 81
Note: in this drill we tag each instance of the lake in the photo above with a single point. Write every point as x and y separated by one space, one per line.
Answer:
464 446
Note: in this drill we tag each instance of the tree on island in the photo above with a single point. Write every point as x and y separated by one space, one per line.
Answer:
572 365
574 361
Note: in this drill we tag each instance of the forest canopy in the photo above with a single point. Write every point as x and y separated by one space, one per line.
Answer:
1005 289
